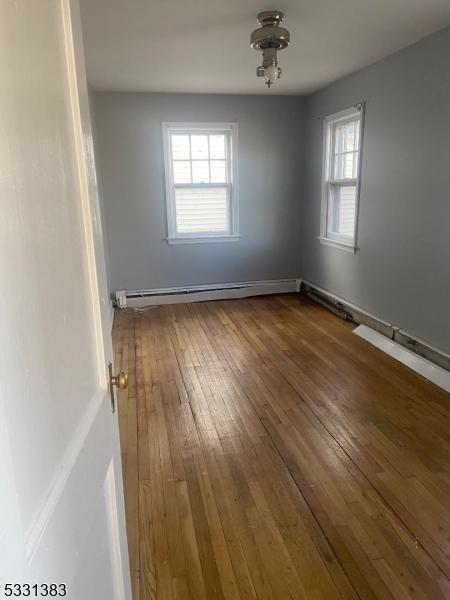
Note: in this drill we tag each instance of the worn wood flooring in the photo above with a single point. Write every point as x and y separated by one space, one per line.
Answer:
268 452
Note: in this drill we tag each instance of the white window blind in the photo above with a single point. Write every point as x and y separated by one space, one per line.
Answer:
342 141
201 209
201 182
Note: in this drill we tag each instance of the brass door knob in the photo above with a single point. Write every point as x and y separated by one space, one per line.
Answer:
120 380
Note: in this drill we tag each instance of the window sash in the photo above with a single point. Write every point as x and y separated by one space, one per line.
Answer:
332 186
333 125
206 133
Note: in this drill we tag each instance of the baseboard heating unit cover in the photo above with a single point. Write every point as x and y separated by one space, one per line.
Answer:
201 293
417 363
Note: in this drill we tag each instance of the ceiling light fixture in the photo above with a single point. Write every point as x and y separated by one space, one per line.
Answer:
269 38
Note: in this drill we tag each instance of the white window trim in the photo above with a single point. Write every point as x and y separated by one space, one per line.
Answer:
185 238
326 238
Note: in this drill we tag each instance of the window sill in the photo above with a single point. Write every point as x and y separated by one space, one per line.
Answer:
339 245
212 239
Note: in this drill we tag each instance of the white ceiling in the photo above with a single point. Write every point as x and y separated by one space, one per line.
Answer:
203 45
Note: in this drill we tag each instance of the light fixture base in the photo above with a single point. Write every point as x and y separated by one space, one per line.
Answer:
270 34
270 17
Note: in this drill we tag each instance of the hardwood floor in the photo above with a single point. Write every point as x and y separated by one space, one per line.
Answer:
268 452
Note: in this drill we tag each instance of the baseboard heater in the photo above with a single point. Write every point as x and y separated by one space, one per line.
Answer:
419 364
202 293
355 314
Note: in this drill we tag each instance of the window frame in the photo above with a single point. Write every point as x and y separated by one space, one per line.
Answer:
174 237
348 243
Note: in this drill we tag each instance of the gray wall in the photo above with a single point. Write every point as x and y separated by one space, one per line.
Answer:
130 157
402 269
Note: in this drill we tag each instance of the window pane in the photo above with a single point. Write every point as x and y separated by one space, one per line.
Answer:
218 171
339 139
202 210
217 146
180 147
342 210
347 137
200 171
346 165
199 146
181 171
356 136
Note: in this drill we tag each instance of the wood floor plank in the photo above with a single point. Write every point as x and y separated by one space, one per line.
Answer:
270 453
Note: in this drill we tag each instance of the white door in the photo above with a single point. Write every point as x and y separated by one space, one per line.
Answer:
61 498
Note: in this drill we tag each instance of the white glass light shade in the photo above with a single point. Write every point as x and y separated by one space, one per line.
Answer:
272 73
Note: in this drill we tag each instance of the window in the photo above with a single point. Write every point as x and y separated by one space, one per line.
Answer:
341 171
201 182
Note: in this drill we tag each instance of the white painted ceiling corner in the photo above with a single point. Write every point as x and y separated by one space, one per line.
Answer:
202 46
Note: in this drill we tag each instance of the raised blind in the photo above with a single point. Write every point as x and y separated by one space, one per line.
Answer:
203 209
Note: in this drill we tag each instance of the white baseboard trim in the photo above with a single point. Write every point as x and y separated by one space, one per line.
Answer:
202 293
417 363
